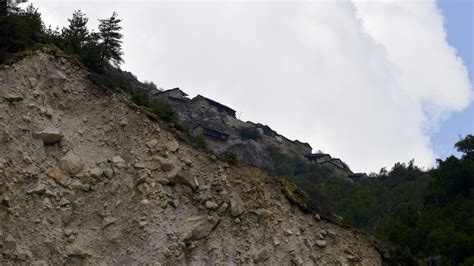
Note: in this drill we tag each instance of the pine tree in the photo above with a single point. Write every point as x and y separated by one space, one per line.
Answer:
10 6
76 34
111 46
19 29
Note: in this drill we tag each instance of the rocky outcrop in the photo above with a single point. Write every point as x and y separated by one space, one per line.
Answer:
120 189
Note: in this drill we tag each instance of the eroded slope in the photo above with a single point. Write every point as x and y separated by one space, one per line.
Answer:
85 178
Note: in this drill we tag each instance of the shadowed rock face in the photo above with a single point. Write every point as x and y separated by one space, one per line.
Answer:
119 189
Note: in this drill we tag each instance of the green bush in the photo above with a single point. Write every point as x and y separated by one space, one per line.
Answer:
163 110
296 195
199 141
140 98
249 133
229 156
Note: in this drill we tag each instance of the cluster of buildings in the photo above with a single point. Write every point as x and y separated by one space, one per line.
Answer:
217 123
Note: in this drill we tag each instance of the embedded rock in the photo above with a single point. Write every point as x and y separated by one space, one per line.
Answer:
10 96
166 165
37 188
49 135
75 251
172 145
97 172
263 255
199 227
59 177
236 206
71 163
119 162
183 178
321 243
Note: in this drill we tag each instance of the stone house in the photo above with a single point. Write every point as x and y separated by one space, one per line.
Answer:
357 176
172 94
201 102
319 157
214 134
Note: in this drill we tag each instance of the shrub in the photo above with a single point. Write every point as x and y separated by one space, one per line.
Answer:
249 133
296 195
164 111
199 141
140 98
229 156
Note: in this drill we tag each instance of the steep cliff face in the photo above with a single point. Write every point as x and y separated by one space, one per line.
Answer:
86 177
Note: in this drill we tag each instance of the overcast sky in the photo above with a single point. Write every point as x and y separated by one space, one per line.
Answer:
370 82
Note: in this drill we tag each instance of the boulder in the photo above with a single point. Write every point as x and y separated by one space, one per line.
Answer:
211 205
23 253
97 172
71 163
108 221
39 263
166 165
9 244
236 206
119 162
321 243
263 213
49 135
263 255
59 177
222 209
183 178
172 145
199 227
152 143
37 188
75 251
317 217
108 172
10 96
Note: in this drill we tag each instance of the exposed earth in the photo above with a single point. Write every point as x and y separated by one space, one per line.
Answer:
87 177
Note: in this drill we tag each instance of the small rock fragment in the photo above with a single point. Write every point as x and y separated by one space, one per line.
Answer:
9 243
317 217
172 145
108 172
321 243
165 164
222 209
152 143
59 177
108 221
211 205
96 172
119 162
75 251
37 188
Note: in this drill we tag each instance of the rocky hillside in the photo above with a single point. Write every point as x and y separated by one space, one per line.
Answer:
86 177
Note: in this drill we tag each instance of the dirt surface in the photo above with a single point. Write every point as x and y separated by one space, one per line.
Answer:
87 179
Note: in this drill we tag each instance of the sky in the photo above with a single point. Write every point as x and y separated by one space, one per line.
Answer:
372 82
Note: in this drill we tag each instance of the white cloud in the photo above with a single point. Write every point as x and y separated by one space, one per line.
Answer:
365 81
